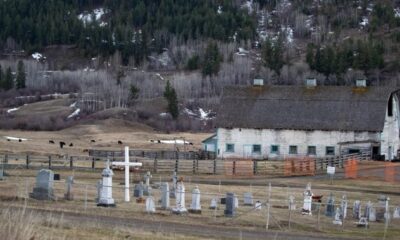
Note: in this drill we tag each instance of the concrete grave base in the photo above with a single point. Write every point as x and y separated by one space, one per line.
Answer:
42 194
106 205
194 211
140 200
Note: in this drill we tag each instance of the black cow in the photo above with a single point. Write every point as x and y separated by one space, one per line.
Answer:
51 141
19 140
119 142
71 144
62 144
93 141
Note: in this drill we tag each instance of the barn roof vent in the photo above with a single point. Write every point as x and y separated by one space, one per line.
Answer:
311 82
361 83
258 82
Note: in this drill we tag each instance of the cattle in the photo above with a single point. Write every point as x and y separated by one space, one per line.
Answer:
9 140
85 150
62 144
71 144
119 142
93 141
51 142
19 140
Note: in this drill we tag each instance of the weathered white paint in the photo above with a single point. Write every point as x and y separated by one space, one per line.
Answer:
390 135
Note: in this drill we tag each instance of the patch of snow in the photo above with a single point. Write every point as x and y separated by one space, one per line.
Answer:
75 113
12 110
73 105
288 31
38 57
364 21
242 50
88 17
163 114
397 12
15 138
176 141
202 114
249 6
103 24
159 75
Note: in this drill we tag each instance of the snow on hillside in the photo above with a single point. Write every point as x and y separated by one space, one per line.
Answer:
96 15
75 113
12 110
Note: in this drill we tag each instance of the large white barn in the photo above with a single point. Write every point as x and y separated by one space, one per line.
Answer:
281 121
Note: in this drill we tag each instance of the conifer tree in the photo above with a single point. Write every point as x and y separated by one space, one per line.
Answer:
8 82
21 76
172 99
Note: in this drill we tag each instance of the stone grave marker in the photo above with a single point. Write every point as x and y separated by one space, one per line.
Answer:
195 207
357 209
330 206
180 198
396 213
292 203
106 199
338 217
343 206
214 203
236 202
43 189
164 195
367 209
258 205
230 205
147 187
150 206
248 199
307 201
372 214
382 208
69 195
138 190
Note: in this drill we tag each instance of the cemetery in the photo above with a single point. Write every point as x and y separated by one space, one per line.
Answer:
208 206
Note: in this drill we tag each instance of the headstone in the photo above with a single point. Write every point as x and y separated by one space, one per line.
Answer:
292 203
69 195
236 202
147 187
105 199
338 217
214 203
382 208
306 210
330 206
150 206
138 190
396 213
43 189
367 209
164 195
180 198
258 205
248 199
343 206
357 209
230 205
172 194
195 207
372 214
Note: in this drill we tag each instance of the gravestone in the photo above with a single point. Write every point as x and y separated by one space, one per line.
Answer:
180 198
372 214
214 203
343 206
195 207
357 209
69 195
367 209
105 199
150 206
307 202
330 206
248 199
147 187
338 217
172 194
258 205
292 203
138 190
43 189
396 213
230 205
164 195
236 202
382 208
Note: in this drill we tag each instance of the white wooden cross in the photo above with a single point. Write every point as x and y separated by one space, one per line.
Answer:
126 164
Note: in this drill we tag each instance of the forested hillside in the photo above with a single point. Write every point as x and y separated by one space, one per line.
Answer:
123 53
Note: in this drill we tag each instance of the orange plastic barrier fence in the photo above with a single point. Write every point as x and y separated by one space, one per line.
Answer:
351 168
299 166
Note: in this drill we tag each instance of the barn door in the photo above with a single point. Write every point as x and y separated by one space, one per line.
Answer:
247 151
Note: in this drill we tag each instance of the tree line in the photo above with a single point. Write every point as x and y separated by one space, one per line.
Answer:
8 81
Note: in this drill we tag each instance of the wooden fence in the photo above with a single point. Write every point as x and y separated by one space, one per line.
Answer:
230 167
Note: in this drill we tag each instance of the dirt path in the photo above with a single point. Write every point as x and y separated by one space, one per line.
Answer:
215 232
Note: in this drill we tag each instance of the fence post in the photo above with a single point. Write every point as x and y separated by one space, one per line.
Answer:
93 162
255 167
71 162
27 161
155 165
6 158
49 162
215 166
234 167
194 166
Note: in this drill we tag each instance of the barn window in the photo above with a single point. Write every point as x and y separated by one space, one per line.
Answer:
311 150
275 149
257 149
292 149
390 107
230 147
330 150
